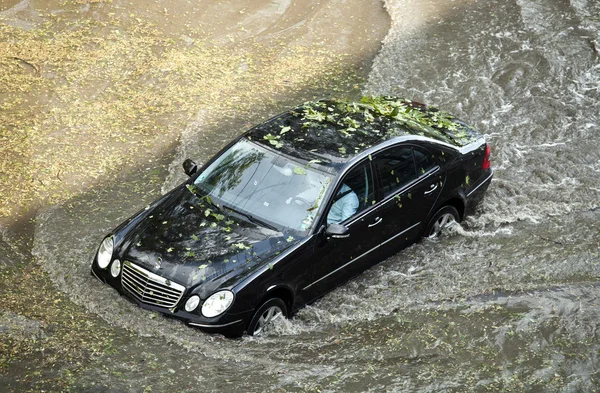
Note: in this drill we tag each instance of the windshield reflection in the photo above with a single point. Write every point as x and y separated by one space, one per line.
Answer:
265 186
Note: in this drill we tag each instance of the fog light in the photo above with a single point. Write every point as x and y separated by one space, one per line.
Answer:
192 303
115 268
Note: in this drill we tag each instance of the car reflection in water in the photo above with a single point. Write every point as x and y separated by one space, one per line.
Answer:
294 208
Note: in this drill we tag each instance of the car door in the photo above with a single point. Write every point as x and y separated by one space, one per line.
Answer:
409 183
339 258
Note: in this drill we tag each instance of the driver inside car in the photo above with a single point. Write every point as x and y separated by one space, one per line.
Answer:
344 207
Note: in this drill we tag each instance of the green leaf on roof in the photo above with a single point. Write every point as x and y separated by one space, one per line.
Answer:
241 246
311 114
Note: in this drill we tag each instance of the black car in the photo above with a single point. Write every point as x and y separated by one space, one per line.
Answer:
295 207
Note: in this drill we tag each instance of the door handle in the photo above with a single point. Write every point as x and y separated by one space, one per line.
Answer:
377 221
432 188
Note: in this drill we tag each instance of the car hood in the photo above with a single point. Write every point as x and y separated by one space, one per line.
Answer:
189 241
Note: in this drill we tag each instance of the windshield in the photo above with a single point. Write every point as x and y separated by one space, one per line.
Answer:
265 185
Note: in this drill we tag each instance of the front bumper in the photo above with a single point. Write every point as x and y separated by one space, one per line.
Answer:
227 324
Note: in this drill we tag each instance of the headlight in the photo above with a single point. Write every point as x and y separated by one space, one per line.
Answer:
217 303
115 268
192 303
105 252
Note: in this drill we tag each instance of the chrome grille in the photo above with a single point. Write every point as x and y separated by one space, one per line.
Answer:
150 288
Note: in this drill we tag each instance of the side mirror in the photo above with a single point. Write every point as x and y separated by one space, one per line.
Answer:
337 231
189 167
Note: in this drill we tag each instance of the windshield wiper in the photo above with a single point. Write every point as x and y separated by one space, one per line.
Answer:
205 198
252 218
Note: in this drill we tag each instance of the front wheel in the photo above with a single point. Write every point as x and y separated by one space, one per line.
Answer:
440 220
268 312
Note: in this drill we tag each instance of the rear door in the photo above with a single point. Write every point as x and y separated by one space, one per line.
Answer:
410 181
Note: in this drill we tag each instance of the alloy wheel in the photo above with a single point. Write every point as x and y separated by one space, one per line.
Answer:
267 317
442 222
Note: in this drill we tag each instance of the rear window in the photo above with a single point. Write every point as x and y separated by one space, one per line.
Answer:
396 169
424 160
398 166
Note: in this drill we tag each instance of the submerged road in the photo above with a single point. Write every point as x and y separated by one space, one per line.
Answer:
508 301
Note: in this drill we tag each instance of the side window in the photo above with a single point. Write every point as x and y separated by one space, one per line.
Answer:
424 160
355 194
396 169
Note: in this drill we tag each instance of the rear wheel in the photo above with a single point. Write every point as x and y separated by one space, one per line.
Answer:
440 220
269 311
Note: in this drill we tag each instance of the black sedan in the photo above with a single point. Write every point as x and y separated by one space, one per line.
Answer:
295 207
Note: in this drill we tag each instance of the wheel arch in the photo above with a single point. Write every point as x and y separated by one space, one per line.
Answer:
283 292
458 203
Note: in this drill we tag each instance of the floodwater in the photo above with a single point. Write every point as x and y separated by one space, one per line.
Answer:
507 301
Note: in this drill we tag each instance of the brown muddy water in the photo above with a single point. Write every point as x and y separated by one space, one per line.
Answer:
508 301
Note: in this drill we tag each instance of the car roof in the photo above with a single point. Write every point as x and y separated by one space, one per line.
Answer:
335 131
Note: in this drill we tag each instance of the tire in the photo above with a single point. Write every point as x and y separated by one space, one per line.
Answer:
269 311
441 219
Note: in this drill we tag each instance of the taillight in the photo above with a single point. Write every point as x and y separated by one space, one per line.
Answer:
486 158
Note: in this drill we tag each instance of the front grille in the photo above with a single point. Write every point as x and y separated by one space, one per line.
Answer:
150 288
